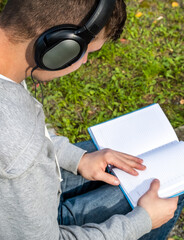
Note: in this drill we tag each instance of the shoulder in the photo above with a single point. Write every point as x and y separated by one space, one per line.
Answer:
18 119
17 107
14 95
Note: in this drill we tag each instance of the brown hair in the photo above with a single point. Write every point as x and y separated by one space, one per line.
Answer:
25 19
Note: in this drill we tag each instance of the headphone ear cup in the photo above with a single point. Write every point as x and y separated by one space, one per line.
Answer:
63 54
59 47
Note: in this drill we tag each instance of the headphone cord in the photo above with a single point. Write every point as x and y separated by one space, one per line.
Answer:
35 84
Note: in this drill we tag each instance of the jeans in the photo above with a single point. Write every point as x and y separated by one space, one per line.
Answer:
84 201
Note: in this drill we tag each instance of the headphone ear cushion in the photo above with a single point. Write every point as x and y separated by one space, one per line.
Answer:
59 47
62 54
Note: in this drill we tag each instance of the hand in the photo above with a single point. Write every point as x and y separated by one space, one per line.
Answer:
93 165
160 210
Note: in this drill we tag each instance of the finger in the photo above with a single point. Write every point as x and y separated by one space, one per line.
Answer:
177 198
127 166
124 166
108 178
133 164
174 199
111 156
133 161
130 157
155 185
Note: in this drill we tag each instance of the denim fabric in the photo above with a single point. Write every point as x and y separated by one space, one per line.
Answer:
84 201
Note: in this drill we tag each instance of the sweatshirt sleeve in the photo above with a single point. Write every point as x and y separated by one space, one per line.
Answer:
132 226
68 154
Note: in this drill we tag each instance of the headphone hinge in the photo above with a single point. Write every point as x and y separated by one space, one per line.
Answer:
85 34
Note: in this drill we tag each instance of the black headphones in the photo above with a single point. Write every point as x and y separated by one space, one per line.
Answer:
63 45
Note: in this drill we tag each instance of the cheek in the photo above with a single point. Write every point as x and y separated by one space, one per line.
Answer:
85 58
42 75
73 67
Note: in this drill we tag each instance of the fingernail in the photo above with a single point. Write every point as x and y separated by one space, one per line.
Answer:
116 182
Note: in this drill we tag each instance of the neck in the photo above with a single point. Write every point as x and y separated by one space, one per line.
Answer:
13 62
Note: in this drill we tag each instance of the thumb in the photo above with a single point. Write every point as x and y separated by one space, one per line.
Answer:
108 178
155 185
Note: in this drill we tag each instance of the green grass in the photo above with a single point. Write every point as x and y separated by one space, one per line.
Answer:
177 238
147 68
2 4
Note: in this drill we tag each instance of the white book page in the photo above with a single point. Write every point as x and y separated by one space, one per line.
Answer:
135 133
165 163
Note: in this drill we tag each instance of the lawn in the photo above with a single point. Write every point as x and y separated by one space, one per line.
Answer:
145 66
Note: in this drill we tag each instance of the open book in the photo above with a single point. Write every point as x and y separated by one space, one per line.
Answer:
145 133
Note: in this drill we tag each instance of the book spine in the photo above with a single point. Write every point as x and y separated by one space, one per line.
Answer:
93 138
152 150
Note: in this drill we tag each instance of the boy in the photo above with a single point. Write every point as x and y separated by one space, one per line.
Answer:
31 164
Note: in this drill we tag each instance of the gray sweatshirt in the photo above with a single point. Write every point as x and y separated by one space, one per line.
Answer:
29 182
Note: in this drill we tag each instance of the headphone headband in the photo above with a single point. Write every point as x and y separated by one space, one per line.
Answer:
98 20
100 17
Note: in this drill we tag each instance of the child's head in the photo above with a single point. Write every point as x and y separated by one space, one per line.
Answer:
26 20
